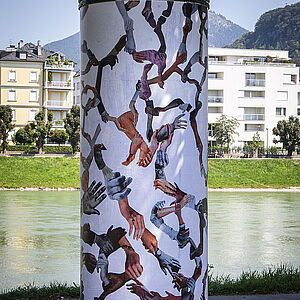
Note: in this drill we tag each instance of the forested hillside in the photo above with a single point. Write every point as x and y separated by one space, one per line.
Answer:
275 29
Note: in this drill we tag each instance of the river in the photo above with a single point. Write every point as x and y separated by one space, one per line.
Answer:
39 234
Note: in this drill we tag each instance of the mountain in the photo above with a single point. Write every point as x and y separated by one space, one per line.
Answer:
276 29
221 32
68 46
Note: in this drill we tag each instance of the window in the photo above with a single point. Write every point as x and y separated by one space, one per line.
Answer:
218 75
33 76
280 111
13 111
289 78
12 76
23 56
254 94
298 98
298 112
255 79
282 95
215 110
12 95
33 96
32 114
254 127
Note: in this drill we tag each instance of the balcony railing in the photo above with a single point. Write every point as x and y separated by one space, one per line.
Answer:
69 66
255 82
215 99
58 103
253 117
59 84
265 64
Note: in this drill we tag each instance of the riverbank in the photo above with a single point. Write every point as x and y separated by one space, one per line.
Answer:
55 173
277 280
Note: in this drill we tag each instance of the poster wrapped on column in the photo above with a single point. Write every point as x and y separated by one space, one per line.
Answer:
144 149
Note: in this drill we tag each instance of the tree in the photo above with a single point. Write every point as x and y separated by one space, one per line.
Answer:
224 130
72 126
24 136
6 125
58 136
289 133
41 128
256 143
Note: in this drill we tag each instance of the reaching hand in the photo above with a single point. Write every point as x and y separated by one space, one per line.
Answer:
117 187
162 159
92 198
134 219
140 291
102 264
149 241
169 189
133 267
153 217
167 262
178 123
89 260
189 289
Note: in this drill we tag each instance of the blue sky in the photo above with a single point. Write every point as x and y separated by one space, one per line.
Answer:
50 20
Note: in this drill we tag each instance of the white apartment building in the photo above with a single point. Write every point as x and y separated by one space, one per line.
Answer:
258 87
76 88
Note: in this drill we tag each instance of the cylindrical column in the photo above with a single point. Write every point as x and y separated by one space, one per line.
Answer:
144 149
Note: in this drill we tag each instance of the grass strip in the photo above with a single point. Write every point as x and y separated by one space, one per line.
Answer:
63 172
276 280
54 290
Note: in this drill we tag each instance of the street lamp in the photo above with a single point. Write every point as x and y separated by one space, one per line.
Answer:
267 142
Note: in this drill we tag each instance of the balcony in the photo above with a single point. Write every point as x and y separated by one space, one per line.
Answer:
58 103
215 99
255 82
252 117
59 84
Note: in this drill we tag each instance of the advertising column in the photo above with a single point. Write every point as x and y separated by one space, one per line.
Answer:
144 149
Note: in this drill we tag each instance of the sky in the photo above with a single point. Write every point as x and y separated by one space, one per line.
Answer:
51 20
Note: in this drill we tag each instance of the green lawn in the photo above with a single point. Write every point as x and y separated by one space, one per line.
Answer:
253 173
50 172
63 172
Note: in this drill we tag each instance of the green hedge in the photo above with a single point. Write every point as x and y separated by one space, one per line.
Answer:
34 149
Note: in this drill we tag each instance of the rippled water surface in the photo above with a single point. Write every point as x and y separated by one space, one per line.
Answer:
39 234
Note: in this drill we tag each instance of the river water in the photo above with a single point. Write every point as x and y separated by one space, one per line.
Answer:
39 234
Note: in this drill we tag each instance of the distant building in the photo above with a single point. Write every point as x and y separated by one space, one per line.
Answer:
32 78
258 87
77 86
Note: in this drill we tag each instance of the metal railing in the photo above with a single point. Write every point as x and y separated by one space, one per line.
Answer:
215 99
255 82
58 103
60 84
265 64
252 117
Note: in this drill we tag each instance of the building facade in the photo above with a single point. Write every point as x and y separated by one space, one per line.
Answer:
258 87
32 78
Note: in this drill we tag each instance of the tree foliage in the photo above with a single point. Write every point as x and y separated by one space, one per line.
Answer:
40 128
289 133
276 29
225 129
6 125
72 126
24 136
58 136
